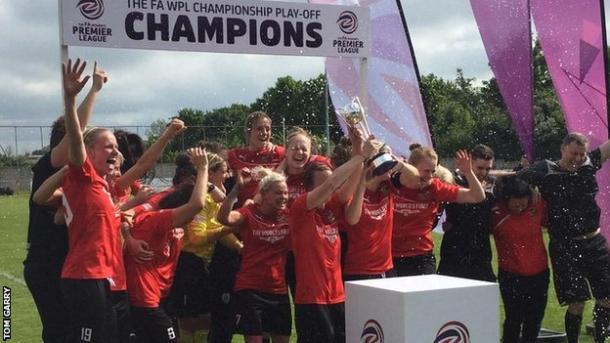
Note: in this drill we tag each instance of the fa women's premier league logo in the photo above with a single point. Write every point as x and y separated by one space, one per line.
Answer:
371 332
348 22
91 9
453 332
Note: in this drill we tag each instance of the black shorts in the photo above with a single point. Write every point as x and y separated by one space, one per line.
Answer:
578 265
120 303
89 304
259 313
316 323
190 293
415 265
153 325
44 282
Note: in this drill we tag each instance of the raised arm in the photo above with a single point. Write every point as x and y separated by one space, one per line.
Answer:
475 193
353 210
347 189
47 193
226 215
409 175
152 154
59 154
323 192
185 213
73 83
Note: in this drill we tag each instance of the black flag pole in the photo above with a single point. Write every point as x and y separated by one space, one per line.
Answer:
605 52
423 96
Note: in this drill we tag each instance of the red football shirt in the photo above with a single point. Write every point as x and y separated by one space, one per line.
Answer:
369 247
120 196
246 158
414 213
295 182
317 252
263 258
518 239
148 282
152 203
93 226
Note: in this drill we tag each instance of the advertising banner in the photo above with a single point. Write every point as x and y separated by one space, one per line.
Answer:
571 38
506 33
250 27
395 108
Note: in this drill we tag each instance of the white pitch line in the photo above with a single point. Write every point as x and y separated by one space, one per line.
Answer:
12 278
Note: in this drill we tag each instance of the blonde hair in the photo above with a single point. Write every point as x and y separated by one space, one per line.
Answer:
419 153
266 182
90 135
444 174
214 161
297 131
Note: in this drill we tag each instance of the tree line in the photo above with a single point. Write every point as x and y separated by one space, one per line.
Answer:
461 113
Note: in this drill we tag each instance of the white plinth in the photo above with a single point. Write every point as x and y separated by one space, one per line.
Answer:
421 309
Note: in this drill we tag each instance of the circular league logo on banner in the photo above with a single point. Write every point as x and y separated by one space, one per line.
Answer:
91 9
348 22
453 332
371 332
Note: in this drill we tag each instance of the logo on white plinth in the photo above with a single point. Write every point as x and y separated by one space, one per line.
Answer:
371 332
453 332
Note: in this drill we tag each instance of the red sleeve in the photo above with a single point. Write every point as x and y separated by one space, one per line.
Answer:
444 191
234 162
280 152
245 211
86 172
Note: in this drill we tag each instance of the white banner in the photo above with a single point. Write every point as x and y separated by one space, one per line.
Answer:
254 27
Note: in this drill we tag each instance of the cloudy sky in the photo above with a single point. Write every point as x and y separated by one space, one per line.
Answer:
147 85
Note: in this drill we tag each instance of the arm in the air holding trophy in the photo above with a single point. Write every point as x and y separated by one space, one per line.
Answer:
353 210
323 192
346 190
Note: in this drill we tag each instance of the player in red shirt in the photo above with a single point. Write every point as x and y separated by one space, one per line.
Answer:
259 151
260 287
523 272
314 217
369 239
150 281
298 155
416 201
93 223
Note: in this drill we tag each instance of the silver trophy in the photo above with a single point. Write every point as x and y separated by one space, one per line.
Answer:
353 115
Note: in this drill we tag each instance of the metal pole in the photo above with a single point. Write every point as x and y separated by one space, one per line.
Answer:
284 131
605 54
41 142
326 115
363 89
16 146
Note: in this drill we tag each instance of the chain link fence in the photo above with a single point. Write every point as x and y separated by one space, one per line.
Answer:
18 141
